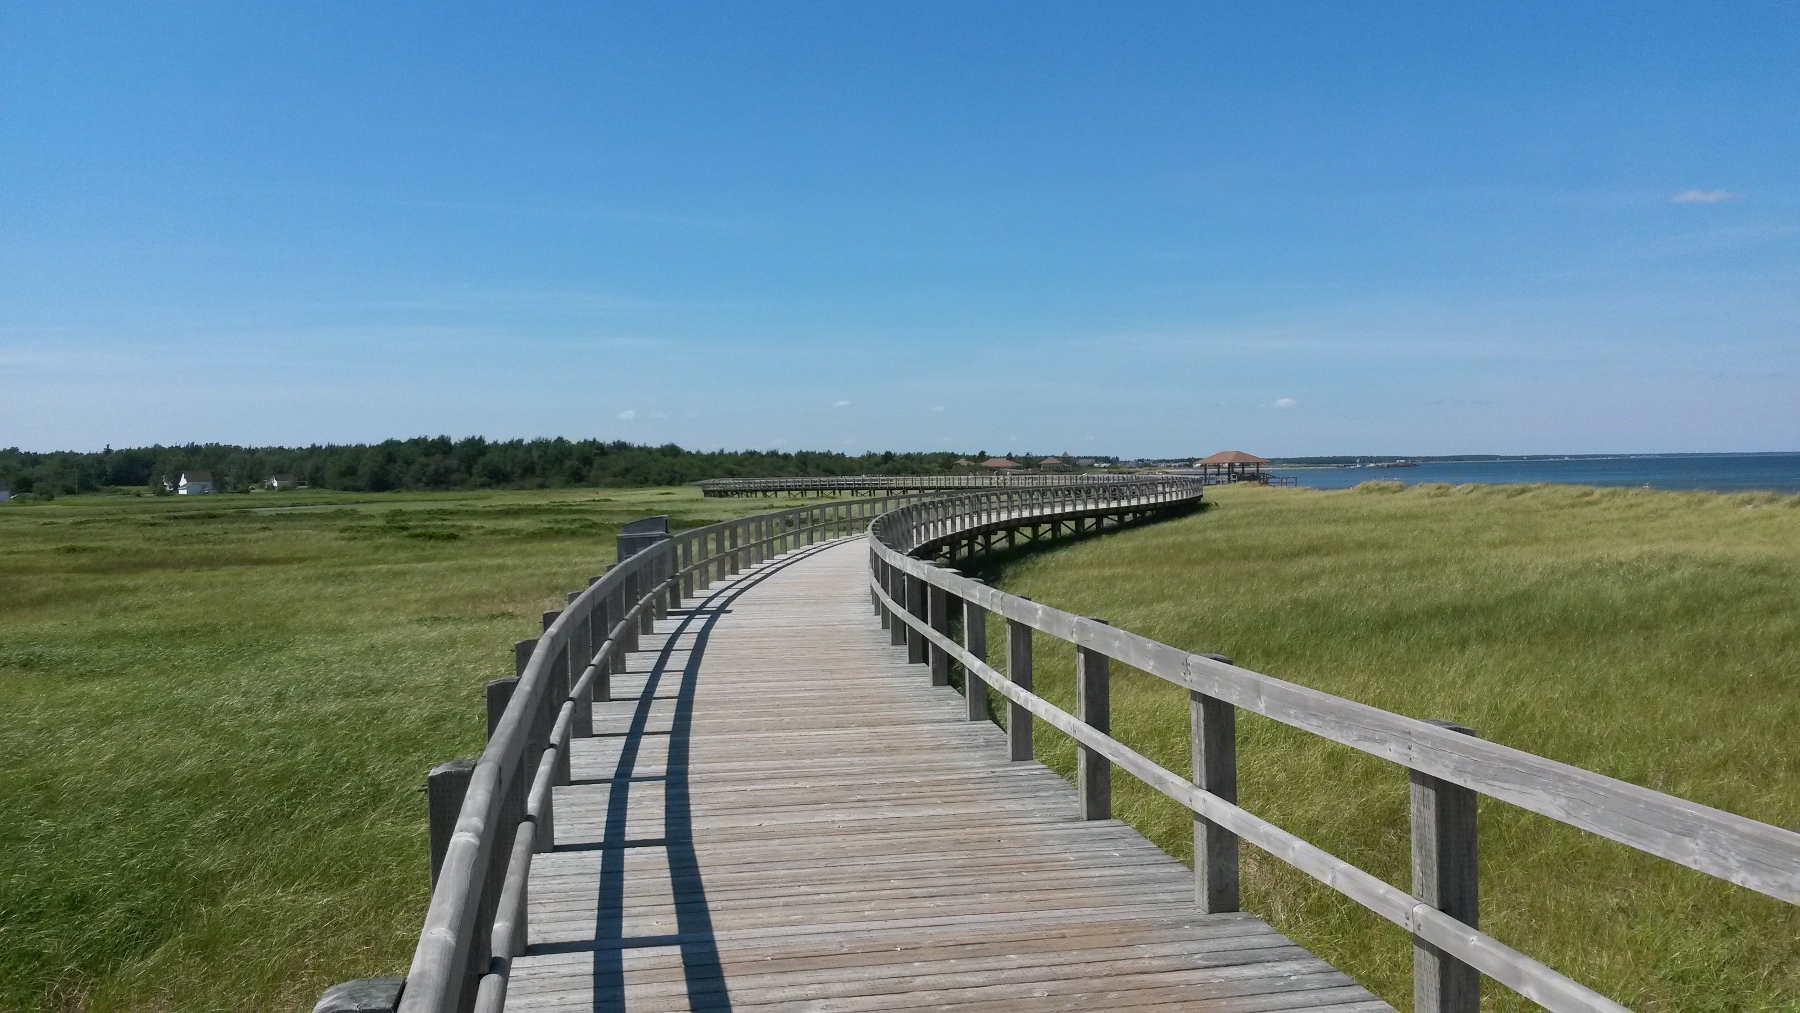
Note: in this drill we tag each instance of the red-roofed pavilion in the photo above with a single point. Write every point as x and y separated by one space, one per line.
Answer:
1233 466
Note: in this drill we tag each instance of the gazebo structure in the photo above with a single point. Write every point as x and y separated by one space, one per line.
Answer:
1233 466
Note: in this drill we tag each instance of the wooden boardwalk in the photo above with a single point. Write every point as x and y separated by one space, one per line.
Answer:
777 811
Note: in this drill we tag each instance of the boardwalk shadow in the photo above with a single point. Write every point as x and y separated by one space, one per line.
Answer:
702 973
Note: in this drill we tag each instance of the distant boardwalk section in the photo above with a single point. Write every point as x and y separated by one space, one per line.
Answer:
886 484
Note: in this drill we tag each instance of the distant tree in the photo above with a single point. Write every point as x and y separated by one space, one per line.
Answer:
440 463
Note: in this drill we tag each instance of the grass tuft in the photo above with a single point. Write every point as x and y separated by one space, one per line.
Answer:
1650 636
215 721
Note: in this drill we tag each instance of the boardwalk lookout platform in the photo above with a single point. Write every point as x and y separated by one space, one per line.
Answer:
734 773
778 811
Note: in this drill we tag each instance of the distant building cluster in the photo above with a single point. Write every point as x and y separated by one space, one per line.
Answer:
1222 467
1006 465
199 483
194 483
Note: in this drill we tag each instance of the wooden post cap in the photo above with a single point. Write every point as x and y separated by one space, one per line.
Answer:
364 995
454 766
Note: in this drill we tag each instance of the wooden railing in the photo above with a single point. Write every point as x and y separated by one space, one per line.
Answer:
1448 766
491 815
497 811
895 483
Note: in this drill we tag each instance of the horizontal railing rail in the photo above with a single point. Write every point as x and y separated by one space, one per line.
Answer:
898 483
1448 765
476 921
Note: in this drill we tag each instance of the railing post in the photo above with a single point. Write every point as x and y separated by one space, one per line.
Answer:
686 588
896 589
1213 741
875 577
658 569
445 786
532 757
561 677
915 606
622 603
937 608
1444 876
645 580
581 645
599 626
1093 707
1018 671
628 599
975 688
364 995
499 693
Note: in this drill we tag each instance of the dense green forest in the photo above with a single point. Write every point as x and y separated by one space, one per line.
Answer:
435 463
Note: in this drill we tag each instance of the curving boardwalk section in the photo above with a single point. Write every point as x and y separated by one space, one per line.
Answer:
778 812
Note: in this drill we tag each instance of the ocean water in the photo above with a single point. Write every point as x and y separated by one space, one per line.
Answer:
1716 472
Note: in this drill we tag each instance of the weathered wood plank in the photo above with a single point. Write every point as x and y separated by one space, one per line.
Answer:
735 838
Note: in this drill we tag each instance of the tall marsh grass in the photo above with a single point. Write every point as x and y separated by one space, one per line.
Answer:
1650 636
215 721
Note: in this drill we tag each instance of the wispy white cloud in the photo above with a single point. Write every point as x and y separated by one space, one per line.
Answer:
840 404
1702 196
628 414
937 407
1285 402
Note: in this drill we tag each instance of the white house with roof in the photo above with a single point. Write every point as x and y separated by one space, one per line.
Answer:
194 483
282 482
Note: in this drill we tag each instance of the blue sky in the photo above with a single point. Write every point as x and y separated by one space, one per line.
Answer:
1133 228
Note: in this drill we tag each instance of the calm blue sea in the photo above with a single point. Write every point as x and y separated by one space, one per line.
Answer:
1718 472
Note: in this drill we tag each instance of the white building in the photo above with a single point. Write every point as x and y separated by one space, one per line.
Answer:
194 483
5 493
281 482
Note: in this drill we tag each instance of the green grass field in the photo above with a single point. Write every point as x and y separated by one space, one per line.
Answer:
1654 637
215 721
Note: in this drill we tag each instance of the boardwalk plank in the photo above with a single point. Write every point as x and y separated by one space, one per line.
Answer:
777 811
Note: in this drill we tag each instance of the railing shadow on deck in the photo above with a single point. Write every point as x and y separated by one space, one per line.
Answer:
702 970
490 815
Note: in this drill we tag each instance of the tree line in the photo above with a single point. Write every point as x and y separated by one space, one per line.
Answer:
436 463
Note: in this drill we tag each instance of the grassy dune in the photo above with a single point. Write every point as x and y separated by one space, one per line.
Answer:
214 723
1654 637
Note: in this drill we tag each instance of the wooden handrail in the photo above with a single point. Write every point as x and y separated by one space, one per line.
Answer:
475 923
896 483
1754 855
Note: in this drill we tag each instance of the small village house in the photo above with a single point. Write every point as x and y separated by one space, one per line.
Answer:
1001 464
5 493
1062 463
194 483
279 482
